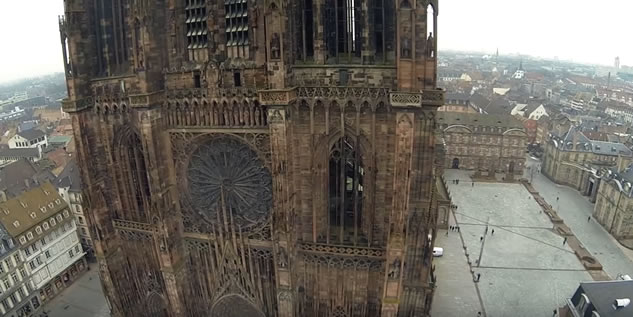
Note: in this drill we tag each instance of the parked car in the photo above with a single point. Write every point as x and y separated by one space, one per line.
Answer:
437 251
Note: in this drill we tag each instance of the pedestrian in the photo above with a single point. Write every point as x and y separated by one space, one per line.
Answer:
479 314
557 198
446 232
473 184
457 228
486 232
478 276
554 314
458 182
565 241
492 233
481 238
588 218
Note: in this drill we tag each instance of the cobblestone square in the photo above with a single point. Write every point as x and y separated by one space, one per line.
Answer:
525 268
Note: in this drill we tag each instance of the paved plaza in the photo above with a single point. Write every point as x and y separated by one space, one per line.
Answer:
574 209
525 268
84 298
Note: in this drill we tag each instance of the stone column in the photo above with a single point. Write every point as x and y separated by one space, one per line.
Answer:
399 214
278 104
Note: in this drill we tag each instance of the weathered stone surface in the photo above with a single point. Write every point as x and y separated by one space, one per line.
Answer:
184 232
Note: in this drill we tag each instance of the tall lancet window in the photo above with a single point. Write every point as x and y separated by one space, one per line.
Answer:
343 30
306 30
382 21
133 178
346 175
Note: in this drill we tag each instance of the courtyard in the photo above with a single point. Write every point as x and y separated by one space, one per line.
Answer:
524 267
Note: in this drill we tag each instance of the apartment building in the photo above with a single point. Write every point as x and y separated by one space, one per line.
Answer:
41 222
18 297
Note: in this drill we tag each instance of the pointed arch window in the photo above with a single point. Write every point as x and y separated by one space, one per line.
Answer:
134 179
346 180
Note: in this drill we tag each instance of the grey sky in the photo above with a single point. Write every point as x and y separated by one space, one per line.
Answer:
581 30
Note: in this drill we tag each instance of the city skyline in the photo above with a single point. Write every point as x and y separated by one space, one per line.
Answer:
561 32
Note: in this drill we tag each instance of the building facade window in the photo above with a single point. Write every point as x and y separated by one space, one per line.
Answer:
306 33
345 190
383 28
343 30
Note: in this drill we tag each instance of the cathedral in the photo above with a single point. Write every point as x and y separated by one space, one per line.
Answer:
256 158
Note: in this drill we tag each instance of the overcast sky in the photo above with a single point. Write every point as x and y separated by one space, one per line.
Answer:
580 30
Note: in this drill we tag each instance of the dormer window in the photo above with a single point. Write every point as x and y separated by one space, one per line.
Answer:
33 215
51 205
57 201
29 235
66 214
45 225
53 222
23 204
16 224
38 230
59 218
6 211
46 192
22 240
43 209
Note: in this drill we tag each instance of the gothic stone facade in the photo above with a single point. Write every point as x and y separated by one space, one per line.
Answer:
483 142
257 157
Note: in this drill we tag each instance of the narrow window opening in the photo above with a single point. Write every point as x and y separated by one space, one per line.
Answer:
237 79
196 81
308 30
430 28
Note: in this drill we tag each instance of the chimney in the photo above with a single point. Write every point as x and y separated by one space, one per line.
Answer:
621 303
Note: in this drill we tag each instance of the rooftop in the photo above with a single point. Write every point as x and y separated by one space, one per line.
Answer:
475 119
60 139
603 294
31 134
20 153
32 207
70 177
15 176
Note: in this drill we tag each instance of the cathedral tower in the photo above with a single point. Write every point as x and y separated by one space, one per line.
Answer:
257 157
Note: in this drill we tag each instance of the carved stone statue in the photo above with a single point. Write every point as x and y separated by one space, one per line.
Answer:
275 47
394 269
430 45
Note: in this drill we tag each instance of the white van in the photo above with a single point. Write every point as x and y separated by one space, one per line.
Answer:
437 251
